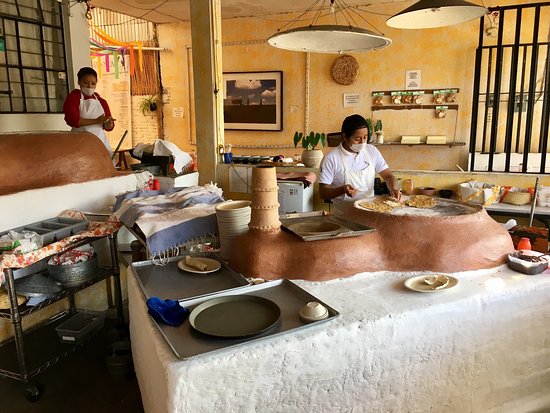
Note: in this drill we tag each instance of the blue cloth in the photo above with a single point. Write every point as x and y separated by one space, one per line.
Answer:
167 311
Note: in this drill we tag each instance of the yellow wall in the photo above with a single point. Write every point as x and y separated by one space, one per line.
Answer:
445 56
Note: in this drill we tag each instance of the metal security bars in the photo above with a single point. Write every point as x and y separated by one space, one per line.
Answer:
33 70
510 112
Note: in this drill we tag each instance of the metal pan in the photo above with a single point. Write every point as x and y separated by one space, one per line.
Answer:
313 226
235 316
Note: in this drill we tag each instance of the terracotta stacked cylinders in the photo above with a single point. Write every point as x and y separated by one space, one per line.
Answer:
265 204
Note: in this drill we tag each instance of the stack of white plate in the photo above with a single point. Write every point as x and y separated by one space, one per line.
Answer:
233 218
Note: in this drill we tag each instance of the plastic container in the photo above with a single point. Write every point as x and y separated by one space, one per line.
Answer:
80 326
524 244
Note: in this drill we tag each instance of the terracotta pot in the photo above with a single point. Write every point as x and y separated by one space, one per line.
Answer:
312 158
265 205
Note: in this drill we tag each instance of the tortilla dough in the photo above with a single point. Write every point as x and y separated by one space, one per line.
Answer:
421 201
382 204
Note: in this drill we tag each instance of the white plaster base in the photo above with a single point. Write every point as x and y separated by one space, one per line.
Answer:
25 207
480 347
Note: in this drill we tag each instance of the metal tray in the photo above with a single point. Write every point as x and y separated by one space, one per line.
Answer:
187 343
235 316
292 222
169 282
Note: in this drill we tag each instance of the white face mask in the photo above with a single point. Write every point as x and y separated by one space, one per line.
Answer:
357 147
88 91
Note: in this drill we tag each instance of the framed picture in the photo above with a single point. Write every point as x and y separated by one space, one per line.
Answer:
253 101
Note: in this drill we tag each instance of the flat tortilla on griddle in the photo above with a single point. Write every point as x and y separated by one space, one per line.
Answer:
421 201
382 204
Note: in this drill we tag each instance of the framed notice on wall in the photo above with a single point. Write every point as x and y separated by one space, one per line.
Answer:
253 101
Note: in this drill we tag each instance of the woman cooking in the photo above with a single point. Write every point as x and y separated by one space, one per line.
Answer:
85 110
348 171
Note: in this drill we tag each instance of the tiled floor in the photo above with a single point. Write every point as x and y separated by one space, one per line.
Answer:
81 383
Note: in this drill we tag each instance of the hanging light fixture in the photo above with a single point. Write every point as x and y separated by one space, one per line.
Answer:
328 38
427 14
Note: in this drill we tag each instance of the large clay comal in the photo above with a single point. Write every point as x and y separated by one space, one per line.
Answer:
43 159
455 243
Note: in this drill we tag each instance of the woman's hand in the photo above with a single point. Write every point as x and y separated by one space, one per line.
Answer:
349 190
396 193
109 124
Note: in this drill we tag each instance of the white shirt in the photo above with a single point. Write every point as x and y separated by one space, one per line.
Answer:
332 167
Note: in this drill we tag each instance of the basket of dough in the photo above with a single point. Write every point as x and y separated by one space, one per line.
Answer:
476 192
516 196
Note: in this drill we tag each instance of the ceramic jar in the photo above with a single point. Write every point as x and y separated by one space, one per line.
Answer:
265 204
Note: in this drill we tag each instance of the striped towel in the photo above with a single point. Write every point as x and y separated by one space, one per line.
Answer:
170 218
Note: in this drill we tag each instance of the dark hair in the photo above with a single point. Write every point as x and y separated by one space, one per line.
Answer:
86 71
352 123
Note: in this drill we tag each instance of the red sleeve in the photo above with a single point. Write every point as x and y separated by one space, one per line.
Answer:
71 108
106 109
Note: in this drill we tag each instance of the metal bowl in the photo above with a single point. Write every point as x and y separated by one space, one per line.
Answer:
73 275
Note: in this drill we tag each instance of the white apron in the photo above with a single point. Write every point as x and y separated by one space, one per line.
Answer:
362 180
91 109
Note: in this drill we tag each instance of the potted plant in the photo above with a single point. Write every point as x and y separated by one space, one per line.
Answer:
375 128
311 157
148 104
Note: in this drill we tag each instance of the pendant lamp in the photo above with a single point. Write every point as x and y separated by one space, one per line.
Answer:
328 38
427 14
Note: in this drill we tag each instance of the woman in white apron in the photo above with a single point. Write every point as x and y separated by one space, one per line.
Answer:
348 171
85 110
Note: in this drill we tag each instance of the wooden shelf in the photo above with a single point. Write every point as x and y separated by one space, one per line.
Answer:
410 107
450 144
426 91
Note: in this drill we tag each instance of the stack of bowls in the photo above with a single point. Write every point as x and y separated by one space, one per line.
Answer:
233 218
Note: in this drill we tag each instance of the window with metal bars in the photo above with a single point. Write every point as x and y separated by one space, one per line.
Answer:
510 112
33 70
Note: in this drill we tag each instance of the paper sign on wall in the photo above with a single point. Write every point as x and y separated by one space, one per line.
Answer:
352 100
177 112
413 79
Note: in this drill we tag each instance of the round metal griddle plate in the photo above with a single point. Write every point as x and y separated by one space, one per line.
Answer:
235 316
315 228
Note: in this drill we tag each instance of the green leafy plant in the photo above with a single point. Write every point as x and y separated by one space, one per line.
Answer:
309 142
148 104
374 126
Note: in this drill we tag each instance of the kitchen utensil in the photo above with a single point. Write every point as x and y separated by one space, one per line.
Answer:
235 316
180 285
187 343
426 190
318 221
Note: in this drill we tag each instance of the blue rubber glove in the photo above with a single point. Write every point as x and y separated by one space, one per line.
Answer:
167 311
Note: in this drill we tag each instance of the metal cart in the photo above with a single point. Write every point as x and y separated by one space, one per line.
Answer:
16 361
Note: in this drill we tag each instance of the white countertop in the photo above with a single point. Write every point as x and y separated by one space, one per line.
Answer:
479 347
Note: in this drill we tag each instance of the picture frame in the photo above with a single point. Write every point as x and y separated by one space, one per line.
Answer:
253 100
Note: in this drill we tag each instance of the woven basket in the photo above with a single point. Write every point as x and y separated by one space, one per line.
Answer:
517 198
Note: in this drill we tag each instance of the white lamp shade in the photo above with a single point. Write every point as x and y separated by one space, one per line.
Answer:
328 39
427 14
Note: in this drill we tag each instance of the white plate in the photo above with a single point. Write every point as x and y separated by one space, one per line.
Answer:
212 265
417 284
